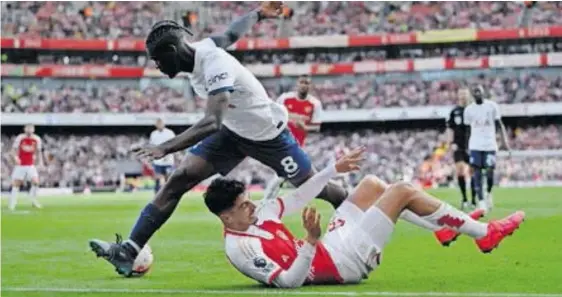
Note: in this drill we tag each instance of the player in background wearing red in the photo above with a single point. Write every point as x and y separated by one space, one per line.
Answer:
27 152
304 116
260 246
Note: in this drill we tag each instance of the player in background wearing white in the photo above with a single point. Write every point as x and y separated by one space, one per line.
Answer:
484 117
163 166
262 248
304 116
27 152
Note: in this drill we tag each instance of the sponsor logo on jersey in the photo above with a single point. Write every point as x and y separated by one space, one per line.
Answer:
217 78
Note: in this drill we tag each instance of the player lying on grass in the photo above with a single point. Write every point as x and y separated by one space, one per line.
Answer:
262 248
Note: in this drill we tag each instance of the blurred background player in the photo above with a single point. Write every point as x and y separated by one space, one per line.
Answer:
483 116
457 142
163 166
304 116
27 151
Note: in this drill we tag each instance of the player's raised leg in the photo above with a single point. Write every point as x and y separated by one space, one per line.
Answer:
401 196
371 188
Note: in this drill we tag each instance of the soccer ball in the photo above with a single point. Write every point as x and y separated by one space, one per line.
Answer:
143 262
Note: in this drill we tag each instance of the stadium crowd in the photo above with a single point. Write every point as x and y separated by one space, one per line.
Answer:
94 159
119 19
363 91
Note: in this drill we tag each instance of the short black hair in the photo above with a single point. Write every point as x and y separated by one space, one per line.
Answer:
222 193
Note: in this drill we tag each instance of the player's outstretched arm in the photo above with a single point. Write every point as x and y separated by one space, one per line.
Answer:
209 124
299 198
242 25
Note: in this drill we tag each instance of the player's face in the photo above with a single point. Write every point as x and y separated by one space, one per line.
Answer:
464 95
303 85
29 129
160 124
243 211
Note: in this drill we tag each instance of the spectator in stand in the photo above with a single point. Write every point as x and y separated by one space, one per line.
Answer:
95 159
353 92
123 19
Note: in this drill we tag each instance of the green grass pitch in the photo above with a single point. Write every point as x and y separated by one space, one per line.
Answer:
45 253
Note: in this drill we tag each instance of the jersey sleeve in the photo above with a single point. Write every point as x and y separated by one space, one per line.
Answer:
282 98
152 139
497 112
39 143
316 112
219 76
249 258
17 142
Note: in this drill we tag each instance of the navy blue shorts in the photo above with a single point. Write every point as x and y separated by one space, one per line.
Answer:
162 169
483 159
225 150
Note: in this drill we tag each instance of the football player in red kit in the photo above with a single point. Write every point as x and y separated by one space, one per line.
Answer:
304 116
27 152
304 110
259 245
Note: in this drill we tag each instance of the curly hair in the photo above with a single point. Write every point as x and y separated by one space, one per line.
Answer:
222 193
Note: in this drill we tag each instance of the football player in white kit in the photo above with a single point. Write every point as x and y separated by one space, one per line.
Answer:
262 248
483 116
240 121
162 167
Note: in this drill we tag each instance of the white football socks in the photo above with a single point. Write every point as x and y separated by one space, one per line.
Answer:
33 196
448 216
413 218
13 198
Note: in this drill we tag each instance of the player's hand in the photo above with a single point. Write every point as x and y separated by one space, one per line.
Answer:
148 153
350 162
271 9
311 222
454 147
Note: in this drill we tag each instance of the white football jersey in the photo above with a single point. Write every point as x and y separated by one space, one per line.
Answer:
251 113
482 121
158 137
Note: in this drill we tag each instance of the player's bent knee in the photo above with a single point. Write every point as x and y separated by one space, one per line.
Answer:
402 190
374 183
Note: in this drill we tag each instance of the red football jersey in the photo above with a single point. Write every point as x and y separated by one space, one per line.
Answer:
268 248
308 110
27 147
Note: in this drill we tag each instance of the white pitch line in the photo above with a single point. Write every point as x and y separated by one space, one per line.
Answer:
274 292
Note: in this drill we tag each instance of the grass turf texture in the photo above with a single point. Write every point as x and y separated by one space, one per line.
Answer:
47 249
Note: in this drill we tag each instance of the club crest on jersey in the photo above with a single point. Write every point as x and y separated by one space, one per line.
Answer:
290 106
285 258
307 109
